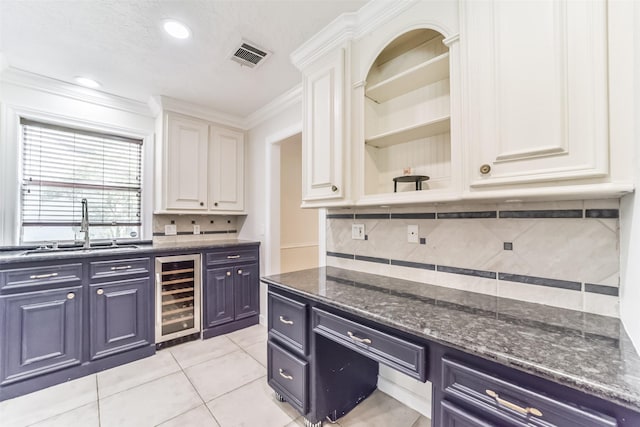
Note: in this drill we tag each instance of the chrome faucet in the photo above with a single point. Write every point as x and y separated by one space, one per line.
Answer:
84 224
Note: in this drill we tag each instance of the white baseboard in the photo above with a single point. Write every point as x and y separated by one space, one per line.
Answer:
421 404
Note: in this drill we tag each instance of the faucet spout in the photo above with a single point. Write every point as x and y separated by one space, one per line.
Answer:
84 224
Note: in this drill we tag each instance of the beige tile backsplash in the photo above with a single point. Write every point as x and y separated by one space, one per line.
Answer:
211 227
583 250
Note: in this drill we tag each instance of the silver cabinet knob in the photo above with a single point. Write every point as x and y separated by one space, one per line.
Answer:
71 295
485 169
100 291
228 273
334 188
239 271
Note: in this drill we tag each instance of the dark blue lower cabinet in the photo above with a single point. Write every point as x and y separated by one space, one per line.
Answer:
247 288
218 297
119 316
453 416
41 333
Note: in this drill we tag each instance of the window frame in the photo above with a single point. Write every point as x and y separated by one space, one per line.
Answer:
11 149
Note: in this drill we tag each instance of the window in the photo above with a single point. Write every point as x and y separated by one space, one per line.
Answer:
61 166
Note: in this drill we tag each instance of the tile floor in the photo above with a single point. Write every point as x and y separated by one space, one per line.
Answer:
219 382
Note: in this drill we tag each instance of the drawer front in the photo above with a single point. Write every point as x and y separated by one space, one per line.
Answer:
287 375
287 322
119 268
20 278
511 403
406 357
454 416
232 255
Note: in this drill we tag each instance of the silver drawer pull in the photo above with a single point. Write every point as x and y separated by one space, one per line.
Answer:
358 339
43 276
121 267
513 406
233 256
285 321
285 376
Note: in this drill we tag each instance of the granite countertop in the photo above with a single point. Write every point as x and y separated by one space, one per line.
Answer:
17 254
587 352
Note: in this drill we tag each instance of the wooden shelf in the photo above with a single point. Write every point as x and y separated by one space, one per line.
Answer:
177 291
415 77
178 320
410 133
177 310
177 300
176 281
185 270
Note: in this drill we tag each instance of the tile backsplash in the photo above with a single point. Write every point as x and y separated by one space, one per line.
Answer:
211 227
564 254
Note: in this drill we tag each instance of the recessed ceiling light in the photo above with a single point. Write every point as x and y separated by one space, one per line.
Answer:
87 82
176 29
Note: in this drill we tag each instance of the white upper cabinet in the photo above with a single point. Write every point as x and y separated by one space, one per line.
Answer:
186 163
226 166
536 103
199 167
324 130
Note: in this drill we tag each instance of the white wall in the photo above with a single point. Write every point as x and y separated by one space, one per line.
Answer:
39 98
258 178
630 206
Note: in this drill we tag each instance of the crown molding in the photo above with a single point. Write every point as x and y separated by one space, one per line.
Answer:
288 99
345 27
53 86
159 103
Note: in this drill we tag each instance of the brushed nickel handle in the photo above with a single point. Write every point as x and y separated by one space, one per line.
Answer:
201 203
43 276
100 291
285 321
233 256
334 188
71 295
285 376
121 267
358 339
485 169
513 406
239 271
228 273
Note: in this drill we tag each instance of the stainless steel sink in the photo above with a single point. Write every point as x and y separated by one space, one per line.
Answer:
42 251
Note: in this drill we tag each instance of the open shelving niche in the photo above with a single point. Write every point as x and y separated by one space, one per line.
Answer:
407 114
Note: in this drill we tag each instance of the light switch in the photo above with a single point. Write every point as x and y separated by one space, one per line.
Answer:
357 231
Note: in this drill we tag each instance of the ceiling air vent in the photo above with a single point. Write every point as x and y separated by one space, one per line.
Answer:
249 54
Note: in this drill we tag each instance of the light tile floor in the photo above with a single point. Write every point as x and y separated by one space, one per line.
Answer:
219 382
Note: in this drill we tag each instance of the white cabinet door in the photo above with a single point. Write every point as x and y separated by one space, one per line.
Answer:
226 170
186 163
535 74
323 129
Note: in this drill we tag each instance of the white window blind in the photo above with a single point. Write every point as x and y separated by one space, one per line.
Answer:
61 166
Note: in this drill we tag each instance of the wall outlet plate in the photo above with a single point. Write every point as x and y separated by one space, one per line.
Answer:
170 230
196 229
412 234
357 231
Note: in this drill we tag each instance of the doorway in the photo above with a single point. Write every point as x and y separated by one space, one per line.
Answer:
298 227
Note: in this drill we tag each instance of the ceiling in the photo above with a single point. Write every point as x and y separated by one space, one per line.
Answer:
121 44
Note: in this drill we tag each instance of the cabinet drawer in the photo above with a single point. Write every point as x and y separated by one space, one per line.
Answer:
231 255
397 353
287 322
119 267
19 278
514 404
287 375
454 416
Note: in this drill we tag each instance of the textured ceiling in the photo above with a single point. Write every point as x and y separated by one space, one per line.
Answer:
121 44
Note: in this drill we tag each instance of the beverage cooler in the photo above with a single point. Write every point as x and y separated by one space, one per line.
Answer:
178 285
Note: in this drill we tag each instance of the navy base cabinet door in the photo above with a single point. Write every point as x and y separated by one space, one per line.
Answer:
41 333
218 297
120 316
247 291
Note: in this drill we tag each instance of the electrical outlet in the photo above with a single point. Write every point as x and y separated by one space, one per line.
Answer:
412 234
357 231
196 229
170 230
